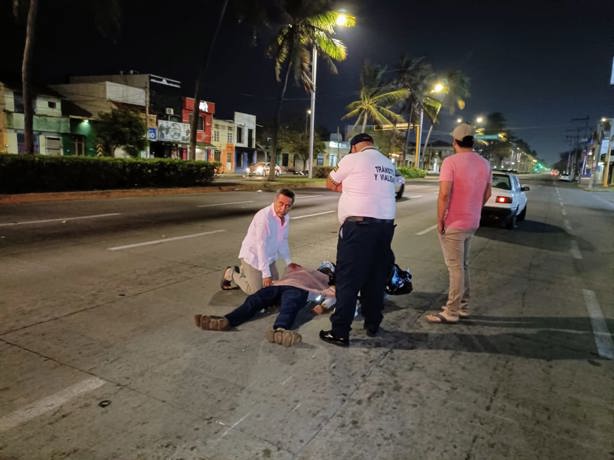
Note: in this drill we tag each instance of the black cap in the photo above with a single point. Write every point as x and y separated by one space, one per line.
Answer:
362 137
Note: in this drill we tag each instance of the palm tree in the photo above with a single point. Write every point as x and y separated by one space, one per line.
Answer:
26 72
305 24
106 16
456 92
416 76
376 99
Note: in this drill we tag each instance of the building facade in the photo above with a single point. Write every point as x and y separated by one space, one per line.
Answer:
49 124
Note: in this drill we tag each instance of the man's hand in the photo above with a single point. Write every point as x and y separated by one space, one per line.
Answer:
292 267
441 227
266 282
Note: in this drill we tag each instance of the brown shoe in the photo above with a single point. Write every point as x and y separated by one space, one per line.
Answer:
213 323
284 337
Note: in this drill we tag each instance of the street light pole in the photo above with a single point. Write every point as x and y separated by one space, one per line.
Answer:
312 115
419 139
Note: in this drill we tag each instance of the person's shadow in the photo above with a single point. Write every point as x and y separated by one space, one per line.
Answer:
544 338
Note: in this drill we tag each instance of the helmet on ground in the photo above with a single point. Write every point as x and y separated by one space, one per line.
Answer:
399 281
328 268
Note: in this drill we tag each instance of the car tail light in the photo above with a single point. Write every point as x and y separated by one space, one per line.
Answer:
503 199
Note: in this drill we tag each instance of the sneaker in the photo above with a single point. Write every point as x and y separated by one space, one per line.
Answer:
213 323
226 282
284 337
329 337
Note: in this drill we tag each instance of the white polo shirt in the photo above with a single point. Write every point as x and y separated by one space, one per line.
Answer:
368 179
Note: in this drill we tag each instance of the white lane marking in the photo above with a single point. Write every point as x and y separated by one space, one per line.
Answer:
567 226
164 240
575 250
223 204
414 196
311 215
307 196
603 200
60 219
286 380
603 339
563 212
426 230
234 425
49 403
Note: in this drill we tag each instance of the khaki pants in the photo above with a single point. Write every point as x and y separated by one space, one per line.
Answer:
249 279
455 246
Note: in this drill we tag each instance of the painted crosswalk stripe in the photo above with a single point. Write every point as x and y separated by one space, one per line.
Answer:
59 219
223 204
603 338
163 240
312 215
426 230
49 403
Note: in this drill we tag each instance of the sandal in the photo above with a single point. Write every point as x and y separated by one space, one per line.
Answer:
439 318
282 336
212 323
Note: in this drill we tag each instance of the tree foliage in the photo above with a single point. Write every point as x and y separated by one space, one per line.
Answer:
121 128
377 98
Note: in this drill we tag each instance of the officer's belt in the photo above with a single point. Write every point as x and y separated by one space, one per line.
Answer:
371 220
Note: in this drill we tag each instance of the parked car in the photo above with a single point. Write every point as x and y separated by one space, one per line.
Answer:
508 202
566 177
399 185
262 169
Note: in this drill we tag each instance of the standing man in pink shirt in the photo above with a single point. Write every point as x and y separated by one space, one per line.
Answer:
464 187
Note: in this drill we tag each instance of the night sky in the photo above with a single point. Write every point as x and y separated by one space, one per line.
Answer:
541 63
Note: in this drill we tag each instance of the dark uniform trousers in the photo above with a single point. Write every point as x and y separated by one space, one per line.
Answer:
364 260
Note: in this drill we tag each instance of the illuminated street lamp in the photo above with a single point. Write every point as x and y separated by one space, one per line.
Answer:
343 20
437 89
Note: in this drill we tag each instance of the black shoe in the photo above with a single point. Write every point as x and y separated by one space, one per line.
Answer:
371 330
328 336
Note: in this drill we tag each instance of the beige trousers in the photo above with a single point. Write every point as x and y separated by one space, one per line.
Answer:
249 279
455 246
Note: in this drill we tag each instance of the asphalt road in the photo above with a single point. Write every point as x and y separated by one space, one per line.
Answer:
99 357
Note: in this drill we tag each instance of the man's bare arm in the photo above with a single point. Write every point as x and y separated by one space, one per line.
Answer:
332 185
443 201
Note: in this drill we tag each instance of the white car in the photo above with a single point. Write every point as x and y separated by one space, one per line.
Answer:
399 185
508 202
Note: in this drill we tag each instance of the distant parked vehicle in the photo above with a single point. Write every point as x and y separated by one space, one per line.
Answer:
262 169
566 177
399 185
508 202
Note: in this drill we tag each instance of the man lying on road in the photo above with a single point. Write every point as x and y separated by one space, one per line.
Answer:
290 292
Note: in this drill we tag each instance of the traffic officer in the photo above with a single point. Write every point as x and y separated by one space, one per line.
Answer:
366 211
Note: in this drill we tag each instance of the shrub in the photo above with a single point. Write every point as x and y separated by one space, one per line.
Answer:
38 173
322 172
411 173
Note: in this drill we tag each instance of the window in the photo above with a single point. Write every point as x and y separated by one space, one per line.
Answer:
239 135
18 102
216 135
200 121
51 104
217 156
229 138
250 138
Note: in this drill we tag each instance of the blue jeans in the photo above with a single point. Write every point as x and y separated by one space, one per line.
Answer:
364 261
291 299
